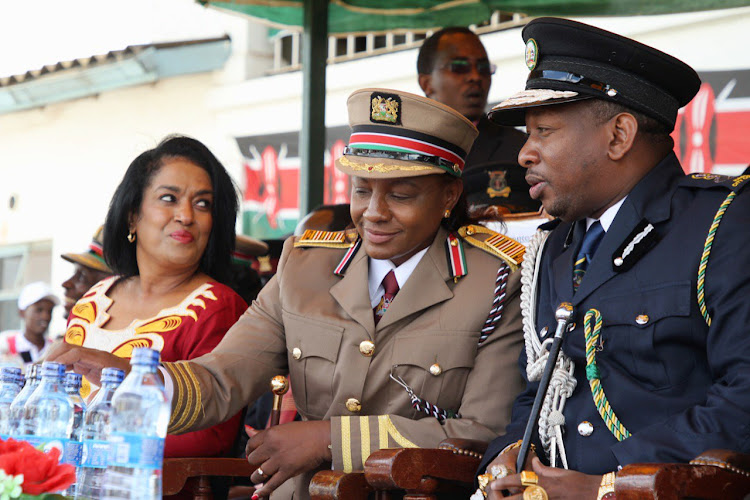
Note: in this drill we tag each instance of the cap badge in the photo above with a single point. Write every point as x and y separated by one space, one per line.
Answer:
532 54
386 108
498 185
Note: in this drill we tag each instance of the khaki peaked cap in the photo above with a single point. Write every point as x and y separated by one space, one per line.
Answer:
398 134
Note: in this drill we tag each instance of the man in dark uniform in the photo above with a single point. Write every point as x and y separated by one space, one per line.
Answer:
454 69
656 365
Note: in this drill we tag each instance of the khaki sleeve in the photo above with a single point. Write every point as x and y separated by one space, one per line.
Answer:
214 387
485 409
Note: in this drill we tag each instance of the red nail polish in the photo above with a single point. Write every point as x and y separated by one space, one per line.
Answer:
254 497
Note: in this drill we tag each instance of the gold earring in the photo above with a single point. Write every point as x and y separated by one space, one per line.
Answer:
447 213
131 236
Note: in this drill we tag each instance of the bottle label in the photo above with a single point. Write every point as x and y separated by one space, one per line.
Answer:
47 443
72 453
94 454
135 451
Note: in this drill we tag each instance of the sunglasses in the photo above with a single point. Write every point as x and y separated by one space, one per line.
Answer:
462 67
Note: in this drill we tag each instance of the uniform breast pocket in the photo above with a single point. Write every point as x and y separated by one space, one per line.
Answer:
435 366
313 349
633 325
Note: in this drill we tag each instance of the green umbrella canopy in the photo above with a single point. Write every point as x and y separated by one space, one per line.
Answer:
347 16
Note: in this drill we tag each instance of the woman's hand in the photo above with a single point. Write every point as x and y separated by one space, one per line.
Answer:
560 484
286 451
87 362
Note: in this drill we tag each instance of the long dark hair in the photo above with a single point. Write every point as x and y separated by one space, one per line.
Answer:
216 259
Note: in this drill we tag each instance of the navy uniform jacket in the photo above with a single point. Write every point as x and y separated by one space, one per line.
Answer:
679 386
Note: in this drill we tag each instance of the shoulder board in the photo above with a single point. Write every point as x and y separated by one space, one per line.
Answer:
327 239
494 243
734 184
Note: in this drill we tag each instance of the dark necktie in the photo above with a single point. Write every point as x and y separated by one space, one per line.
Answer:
590 243
391 289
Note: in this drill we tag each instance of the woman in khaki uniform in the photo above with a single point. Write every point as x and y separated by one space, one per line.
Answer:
372 364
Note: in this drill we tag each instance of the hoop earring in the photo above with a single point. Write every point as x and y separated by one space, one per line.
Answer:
447 213
131 237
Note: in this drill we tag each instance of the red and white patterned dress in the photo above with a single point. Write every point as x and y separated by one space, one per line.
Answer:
186 331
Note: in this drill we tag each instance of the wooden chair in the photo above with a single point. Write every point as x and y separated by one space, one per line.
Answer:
189 477
427 474
713 475
415 473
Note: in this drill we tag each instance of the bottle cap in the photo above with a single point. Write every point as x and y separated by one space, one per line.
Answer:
51 369
144 356
32 372
73 379
112 375
10 374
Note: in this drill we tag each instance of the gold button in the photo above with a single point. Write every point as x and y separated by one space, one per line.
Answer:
353 405
641 319
470 231
367 348
436 370
296 353
454 243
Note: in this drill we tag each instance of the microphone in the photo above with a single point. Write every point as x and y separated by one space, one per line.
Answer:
563 315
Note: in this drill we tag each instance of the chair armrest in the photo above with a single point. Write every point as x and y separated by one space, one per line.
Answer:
420 470
713 475
176 471
337 485
725 459
471 447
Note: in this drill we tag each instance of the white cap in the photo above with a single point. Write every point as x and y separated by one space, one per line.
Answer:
34 292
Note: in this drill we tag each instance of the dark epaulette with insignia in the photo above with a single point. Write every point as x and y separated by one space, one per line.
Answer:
734 184
494 243
327 239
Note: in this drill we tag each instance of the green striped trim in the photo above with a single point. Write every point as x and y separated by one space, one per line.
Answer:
706 253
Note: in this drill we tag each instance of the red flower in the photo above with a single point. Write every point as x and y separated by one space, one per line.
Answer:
42 472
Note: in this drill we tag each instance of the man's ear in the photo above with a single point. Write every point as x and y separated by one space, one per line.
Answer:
425 82
623 129
22 314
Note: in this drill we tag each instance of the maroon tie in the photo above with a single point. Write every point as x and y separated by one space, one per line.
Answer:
391 289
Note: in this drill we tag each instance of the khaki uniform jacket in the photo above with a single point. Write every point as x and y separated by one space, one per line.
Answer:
309 323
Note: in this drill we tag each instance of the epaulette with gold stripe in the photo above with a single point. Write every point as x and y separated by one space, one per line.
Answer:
327 239
494 243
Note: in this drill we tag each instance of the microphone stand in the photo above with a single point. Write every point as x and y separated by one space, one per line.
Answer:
563 315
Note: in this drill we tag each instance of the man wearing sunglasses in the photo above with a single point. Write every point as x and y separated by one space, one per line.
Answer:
454 69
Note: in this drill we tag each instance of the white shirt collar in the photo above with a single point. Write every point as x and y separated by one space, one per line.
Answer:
22 344
607 217
379 268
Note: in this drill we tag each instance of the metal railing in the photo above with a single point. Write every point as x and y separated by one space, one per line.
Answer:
287 44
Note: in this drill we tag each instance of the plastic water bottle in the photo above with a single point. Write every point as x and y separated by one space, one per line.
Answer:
8 391
140 418
33 378
96 426
72 453
48 413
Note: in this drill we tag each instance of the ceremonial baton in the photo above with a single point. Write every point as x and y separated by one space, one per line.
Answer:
563 315
279 386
